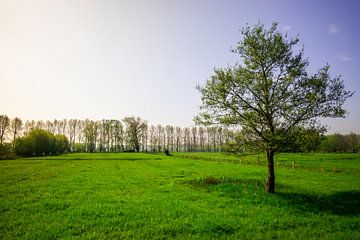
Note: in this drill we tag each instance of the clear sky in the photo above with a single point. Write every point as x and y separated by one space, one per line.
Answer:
110 59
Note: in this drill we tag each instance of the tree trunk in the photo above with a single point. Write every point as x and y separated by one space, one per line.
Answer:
270 184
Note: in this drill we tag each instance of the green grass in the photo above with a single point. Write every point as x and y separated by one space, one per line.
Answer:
142 196
338 162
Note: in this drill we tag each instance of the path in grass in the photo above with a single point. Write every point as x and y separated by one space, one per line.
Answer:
152 196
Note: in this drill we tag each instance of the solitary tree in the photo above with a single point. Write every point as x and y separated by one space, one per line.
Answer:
270 93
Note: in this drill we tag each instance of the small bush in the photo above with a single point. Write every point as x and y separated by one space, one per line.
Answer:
79 147
6 151
167 153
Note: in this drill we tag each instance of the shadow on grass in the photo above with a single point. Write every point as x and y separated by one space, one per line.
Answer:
344 203
116 159
89 159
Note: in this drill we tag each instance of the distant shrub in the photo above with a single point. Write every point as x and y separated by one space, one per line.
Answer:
79 147
61 144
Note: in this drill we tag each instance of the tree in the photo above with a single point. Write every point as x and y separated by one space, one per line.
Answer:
309 140
354 140
169 130
153 139
159 136
40 142
61 143
193 138
49 126
4 124
15 126
178 132
6 151
135 128
24 146
201 138
270 93
39 124
144 137
90 134
80 131
103 125
72 126
186 139
118 134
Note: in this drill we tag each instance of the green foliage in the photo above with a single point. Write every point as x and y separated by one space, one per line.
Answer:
136 128
152 196
90 134
4 124
241 144
341 143
25 146
61 143
302 140
39 142
270 93
79 147
6 151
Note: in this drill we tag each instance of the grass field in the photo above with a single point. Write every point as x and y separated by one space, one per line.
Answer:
204 196
340 162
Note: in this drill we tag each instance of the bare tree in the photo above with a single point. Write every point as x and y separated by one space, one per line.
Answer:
144 137
40 124
194 138
29 125
153 138
80 130
186 138
201 133
15 125
178 138
4 125
64 125
90 134
72 126
160 133
169 130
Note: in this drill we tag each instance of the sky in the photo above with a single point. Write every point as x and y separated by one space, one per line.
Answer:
110 59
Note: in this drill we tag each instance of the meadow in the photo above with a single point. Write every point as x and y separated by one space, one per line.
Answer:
185 196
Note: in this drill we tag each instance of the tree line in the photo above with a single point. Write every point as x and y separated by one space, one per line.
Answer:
110 135
340 143
135 134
